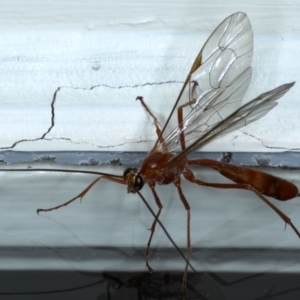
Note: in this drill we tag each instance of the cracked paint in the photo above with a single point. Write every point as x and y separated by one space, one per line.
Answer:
94 101
53 112
110 65
264 143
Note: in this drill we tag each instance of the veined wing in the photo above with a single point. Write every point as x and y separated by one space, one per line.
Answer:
246 114
224 59
214 106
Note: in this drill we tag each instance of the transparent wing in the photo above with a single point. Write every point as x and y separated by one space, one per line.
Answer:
214 106
246 114
219 77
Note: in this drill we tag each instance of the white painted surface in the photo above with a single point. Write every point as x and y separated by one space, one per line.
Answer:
103 54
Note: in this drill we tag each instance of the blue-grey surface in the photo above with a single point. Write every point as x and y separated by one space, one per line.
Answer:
265 159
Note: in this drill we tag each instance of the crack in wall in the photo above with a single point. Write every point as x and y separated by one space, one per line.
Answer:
266 146
52 105
100 147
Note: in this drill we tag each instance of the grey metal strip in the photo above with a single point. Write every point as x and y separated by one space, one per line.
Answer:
289 160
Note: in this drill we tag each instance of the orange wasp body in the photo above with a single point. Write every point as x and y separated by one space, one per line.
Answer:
208 106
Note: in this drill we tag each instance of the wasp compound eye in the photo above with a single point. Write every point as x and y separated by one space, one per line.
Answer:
138 182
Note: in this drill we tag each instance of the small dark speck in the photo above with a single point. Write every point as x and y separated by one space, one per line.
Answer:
38 158
90 162
263 161
115 162
286 166
93 162
96 66
227 157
